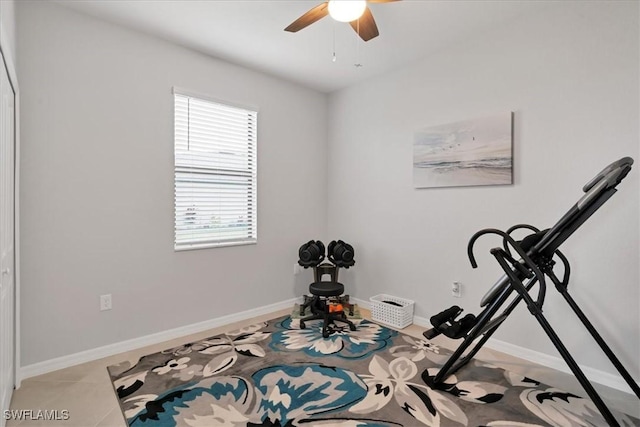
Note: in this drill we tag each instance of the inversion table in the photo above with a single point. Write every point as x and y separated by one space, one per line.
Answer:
532 263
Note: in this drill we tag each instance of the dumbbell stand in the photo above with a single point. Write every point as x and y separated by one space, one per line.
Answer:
308 300
319 271
322 298
325 268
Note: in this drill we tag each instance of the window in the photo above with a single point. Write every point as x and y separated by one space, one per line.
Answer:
215 173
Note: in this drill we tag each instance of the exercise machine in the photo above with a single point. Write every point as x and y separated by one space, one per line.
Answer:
532 263
327 300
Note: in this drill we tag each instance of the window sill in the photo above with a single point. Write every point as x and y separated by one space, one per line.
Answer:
197 246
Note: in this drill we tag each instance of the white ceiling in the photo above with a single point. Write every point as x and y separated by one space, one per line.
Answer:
251 32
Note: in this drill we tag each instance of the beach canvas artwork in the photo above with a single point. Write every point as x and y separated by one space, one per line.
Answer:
469 152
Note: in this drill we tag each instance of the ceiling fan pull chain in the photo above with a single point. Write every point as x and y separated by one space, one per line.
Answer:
358 64
334 42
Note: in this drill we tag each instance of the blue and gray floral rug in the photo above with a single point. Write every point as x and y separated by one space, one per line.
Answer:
275 374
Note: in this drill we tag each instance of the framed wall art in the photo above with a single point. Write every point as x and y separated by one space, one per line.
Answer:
465 153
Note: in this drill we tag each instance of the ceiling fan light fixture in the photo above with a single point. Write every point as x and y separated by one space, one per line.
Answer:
346 10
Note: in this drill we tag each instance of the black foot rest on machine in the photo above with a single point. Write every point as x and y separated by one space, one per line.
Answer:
446 323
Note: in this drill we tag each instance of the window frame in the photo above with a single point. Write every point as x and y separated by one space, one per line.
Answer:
253 173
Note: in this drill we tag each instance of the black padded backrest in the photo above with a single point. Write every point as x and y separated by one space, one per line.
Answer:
598 191
610 173
494 291
531 240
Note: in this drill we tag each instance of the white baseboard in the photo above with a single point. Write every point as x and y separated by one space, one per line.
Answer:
553 362
557 363
62 362
362 303
543 359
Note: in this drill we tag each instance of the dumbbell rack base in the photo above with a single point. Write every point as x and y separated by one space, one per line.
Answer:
342 299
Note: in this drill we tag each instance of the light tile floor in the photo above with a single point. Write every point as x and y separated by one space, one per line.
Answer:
85 390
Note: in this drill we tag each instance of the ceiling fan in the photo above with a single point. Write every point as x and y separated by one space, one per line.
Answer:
356 13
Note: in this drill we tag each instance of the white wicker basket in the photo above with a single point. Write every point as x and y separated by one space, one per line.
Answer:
390 314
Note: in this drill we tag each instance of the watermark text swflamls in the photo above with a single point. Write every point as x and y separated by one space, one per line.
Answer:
36 414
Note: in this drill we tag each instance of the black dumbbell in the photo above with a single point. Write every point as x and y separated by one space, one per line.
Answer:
341 254
311 253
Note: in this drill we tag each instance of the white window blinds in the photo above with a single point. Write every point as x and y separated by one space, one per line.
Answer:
215 174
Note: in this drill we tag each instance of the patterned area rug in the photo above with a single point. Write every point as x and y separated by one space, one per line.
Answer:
274 374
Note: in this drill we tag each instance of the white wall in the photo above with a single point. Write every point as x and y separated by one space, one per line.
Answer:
97 178
571 76
97 185
8 27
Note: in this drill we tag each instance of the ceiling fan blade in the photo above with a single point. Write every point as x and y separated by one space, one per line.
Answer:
365 26
309 18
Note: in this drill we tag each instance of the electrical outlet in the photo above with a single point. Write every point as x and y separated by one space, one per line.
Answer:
105 302
456 289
